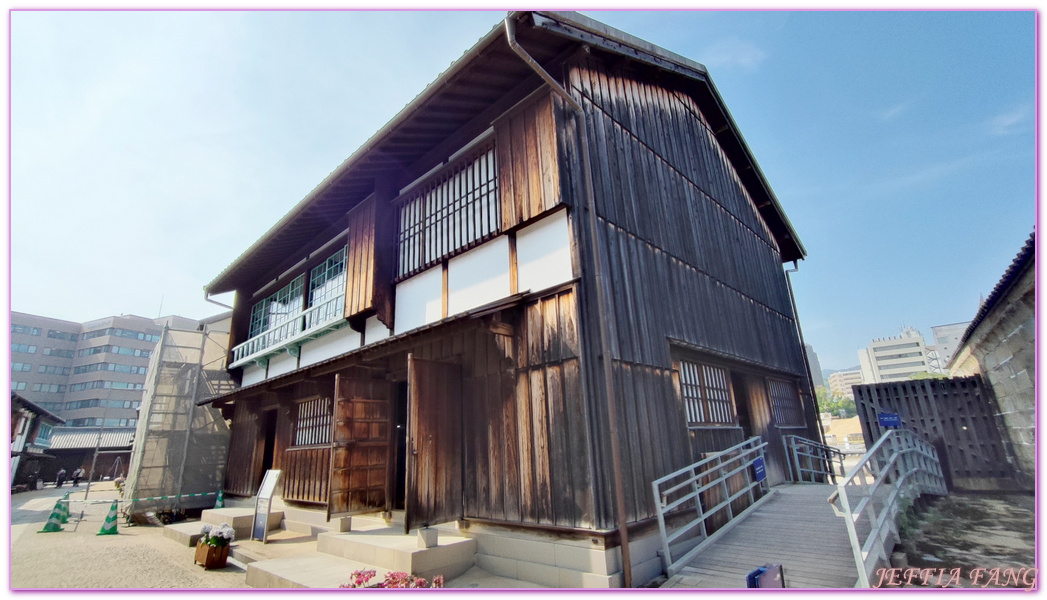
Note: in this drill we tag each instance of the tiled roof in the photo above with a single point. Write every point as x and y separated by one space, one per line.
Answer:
70 438
1025 259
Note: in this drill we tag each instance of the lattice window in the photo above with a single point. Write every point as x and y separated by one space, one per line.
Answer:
706 394
326 282
313 424
279 308
452 212
785 403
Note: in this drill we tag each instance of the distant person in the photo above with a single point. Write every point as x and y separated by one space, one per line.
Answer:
77 476
60 478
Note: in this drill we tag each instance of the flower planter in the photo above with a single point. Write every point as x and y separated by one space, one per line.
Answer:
211 557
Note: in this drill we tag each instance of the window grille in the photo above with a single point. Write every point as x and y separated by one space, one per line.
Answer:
706 394
454 211
313 425
279 308
785 403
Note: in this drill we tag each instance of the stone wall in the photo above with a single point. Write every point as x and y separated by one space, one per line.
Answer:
1002 349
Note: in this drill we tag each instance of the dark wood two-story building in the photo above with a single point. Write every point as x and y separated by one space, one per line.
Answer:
563 244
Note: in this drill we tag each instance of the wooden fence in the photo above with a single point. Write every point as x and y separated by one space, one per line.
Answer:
958 416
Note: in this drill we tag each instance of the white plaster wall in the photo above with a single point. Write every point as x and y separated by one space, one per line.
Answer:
419 300
329 345
375 330
479 276
281 363
543 253
253 374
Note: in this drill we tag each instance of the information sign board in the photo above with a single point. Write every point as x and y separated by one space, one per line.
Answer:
262 504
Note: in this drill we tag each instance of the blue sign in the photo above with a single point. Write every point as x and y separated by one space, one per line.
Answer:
890 420
761 471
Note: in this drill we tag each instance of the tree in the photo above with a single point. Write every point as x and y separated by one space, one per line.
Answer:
838 405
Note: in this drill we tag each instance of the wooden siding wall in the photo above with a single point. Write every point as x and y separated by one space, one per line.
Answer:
306 474
551 421
688 260
360 263
528 169
526 438
958 416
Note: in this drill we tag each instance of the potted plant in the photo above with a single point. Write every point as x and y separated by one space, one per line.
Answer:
393 579
212 550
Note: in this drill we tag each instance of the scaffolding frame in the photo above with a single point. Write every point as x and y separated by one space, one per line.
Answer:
180 448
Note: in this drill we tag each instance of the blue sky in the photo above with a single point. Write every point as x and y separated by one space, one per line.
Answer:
901 145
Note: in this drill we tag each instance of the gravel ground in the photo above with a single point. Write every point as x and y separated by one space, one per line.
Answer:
975 531
138 557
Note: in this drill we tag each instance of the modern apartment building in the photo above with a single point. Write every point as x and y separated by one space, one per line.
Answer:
840 382
894 358
90 374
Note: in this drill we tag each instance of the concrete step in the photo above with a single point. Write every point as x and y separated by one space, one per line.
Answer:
389 548
186 533
239 518
312 522
307 570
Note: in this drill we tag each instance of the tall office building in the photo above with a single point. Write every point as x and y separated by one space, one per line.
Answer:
816 366
894 358
946 341
91 374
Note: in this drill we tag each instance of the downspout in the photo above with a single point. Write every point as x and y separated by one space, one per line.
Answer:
601 303
803 347
207 298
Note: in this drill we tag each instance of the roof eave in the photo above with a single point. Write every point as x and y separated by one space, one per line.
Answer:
215 286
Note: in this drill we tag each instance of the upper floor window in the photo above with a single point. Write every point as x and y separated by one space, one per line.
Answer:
27 330
455 210
785 403
279 308
326 282
706 394
62 335
43 437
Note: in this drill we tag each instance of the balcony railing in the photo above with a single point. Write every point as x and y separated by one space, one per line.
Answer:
311 323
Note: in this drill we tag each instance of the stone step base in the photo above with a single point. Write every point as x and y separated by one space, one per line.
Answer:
185 533
389 548
239 518
308 570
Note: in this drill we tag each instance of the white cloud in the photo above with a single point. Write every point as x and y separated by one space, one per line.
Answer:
732 52
1010 122
894 111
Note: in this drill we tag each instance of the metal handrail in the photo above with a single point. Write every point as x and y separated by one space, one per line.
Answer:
721 466
899 465
307 322
817 457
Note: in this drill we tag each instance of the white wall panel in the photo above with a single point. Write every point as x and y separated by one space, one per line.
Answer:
478 276
375 330
333 344
419 300
253 374
543 253
282 363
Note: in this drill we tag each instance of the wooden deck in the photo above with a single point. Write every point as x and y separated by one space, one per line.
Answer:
796 528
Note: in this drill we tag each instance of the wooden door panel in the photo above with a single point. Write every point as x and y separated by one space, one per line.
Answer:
434 443
361 446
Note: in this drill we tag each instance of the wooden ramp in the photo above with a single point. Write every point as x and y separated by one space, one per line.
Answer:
796 528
